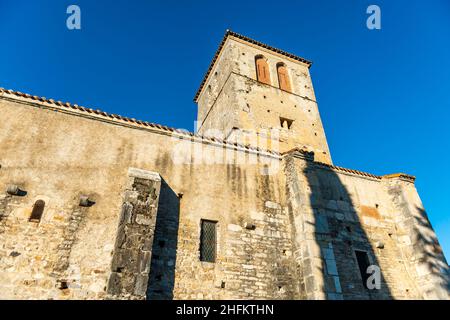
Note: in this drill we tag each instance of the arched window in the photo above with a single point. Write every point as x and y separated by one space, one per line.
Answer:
38 210
283 77
262 70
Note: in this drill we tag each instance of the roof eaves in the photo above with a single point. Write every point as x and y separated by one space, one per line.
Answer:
120 119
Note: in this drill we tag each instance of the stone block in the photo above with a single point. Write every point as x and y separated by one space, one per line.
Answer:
141 284
144 220
337 284
331 266
144 262
321 224
114 284
335 296
328 253
234 227
272 205
332 205
343 205
144 174
310 284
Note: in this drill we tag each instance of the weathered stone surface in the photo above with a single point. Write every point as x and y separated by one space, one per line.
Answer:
141 238
130 265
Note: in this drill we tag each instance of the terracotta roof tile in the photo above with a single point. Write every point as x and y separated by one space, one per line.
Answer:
132 120
357 172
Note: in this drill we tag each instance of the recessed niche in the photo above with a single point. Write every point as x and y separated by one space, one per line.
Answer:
63 285
286 123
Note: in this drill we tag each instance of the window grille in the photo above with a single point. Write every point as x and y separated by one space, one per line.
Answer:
208 241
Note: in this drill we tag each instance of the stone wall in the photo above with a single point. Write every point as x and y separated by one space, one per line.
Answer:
287 226
130 265
337 212
418 245
82 154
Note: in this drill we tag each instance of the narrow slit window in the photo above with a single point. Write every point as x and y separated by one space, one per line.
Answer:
38 210
208 239
283 77
363 264
262 70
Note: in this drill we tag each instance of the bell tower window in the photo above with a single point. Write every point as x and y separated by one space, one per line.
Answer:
283 77
262 70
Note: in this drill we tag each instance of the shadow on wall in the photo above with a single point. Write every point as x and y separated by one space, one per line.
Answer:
344 245
164 250
430 252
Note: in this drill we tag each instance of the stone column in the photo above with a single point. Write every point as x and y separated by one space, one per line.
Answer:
422 254
307 251
130 266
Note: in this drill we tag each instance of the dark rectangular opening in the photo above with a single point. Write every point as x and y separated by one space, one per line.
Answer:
208 241
363 264
38 210
286 123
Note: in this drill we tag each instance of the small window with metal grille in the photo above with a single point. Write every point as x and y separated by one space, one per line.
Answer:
208 239
38 210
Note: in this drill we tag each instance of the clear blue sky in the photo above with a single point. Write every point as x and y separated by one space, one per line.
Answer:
384 96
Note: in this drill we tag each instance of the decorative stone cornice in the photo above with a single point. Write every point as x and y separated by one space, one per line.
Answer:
400 176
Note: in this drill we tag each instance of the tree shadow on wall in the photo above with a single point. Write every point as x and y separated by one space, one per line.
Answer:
344 245
428 251
164 251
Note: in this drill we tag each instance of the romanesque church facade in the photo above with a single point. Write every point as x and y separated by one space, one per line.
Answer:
100 206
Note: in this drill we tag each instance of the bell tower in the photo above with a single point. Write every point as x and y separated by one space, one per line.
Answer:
254 90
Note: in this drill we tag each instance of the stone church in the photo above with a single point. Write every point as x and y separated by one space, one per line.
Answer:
100 206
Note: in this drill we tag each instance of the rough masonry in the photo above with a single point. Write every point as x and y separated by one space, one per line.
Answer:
99 206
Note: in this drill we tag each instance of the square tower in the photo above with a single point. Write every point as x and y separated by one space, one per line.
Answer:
254 90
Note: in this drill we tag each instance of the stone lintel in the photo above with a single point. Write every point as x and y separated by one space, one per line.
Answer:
144 174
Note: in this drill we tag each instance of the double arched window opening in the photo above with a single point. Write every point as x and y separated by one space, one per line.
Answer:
262 70
283 77
263 74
